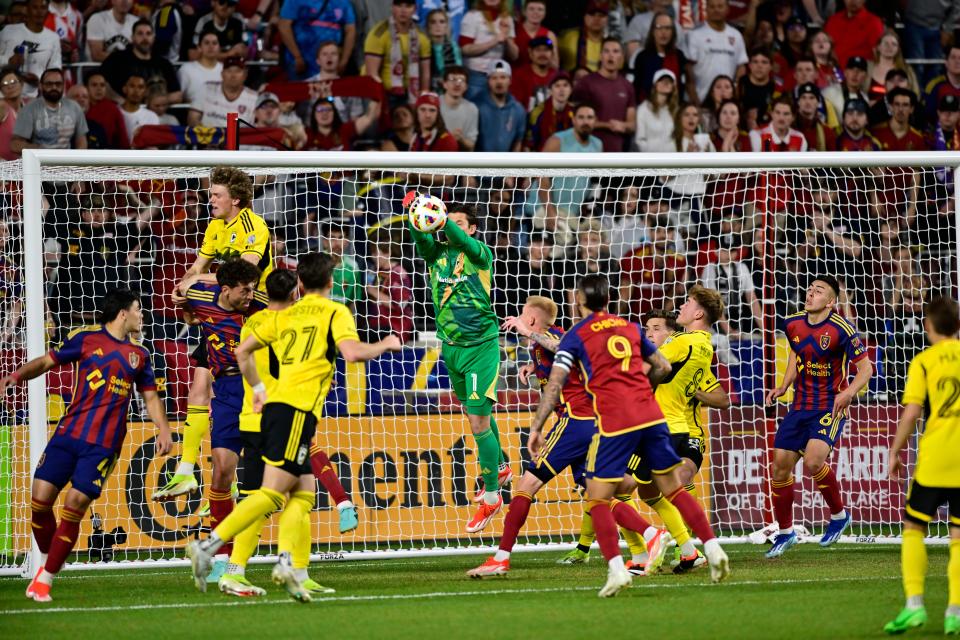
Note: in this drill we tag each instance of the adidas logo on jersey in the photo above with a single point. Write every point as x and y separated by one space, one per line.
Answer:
474 396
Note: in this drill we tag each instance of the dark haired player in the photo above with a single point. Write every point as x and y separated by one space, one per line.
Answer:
822 344
84 449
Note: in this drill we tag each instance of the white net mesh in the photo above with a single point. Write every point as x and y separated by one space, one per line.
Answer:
401 445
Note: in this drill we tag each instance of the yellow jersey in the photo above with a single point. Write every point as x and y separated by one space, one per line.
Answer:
933 382
305 338
246 234
696 412
380 44
690 354
569 47
268 366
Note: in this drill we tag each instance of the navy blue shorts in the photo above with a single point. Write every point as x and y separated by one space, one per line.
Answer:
567 445
800 426
86 466
225 414
610 454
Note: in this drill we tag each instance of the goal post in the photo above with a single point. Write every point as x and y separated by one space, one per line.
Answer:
392 428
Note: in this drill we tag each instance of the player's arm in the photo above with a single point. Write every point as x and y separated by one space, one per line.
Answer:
472 248
905 429
549 342
30 370
425 243
789 375
158 414
548 401
715 399
860 380
659 367
357 351
247 363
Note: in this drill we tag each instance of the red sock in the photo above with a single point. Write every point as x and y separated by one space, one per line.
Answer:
516 516
629 518
827 483
606 528
781 494
64 540
327 474
221 506
692 513
43 523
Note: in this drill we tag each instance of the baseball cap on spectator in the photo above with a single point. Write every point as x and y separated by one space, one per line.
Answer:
266 97
856 104
429 98
598 6
561 75
856 62
404 2
664 73
235 61
795 21
808 87
949 102
540 41
501 66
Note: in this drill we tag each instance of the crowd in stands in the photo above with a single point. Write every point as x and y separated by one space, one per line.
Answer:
567 76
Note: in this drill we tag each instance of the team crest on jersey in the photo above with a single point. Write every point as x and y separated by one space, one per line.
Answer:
825 341
134 359
251 238
233 238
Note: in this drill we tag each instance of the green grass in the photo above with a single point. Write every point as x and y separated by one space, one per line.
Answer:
844 592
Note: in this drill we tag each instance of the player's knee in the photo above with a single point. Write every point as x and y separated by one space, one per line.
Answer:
812 464
529 483
77 501
478 424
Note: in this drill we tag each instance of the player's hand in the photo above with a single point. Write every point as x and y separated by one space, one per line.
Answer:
164 443
773 394
842 402
259 399
525 372
535 444
895 465
408 199
392 342
5 383
514 323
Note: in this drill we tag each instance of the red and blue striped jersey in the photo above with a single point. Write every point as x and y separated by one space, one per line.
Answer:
574 401
105 370
610 352
824 352
220 327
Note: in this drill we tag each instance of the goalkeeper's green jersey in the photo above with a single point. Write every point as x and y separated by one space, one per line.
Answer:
461 270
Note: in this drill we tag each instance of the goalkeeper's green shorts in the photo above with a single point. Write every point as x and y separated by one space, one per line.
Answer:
473 373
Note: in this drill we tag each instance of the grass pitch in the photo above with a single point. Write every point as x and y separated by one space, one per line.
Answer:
846 591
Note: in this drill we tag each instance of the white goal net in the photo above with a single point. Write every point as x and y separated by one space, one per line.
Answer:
393 427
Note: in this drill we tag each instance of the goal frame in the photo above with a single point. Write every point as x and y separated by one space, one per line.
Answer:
35 160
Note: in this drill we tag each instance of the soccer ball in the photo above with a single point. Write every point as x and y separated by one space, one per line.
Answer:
427 213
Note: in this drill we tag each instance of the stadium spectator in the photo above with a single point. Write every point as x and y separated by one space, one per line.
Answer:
654 274
927 23
655 115
109 30
455 10
390 293
95 134
159 103
347 275
328 133
195 74
659 52
30 47
820 49
592 256
948 83
502 119
756 87
714 48
906 337
640 25
401 131
170 26
460 115
223 21
855 31
487 35
943 134
582 47
779 135
537 273
809 121
51 122
105 112
139 59
854 136
721 89
305 24
11 288
686 190
897 134
227 96
887 55
403 70
728 135
880 110
612 97
328 57
562 196
551 116
783 278
431 132
444 51
11 89
9 107
791 49
135 113
630 226
16 12
731 276
854 76
531 27
530 84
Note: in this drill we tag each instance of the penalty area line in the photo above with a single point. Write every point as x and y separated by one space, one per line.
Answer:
421 596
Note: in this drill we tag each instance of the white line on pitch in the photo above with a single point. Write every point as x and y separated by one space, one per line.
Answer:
420 596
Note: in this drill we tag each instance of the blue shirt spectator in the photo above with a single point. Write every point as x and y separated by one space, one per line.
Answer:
305 24
502 119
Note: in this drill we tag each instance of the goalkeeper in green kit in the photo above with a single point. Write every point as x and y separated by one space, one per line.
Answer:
461 270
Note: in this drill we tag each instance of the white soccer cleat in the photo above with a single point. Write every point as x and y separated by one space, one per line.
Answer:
719 564
617 579
284 576
656 550
233 584
201 562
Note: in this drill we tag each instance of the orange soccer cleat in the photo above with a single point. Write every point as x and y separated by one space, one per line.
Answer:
504 477
37 590
490 568
484 515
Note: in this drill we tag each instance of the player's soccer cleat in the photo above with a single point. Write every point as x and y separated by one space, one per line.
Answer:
180 484
315 588
234 584
617 579
504 477
349 520
201 562
683 564
574 556
719 565
204 511
907 619
490 568
781 543
38 591
656 550
951 625
484 515
635 568
834 529
284 575
219 569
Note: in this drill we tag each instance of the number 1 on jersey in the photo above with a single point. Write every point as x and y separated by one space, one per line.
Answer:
621 349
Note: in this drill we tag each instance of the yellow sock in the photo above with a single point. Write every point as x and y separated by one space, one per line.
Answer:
198 423
671 517
245 544
301 552
291 520
953 574
913 560
691 489
587 533
258 504
633 539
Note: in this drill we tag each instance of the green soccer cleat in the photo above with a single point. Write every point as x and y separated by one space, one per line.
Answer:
180 484
234 584
907 619
951 625
315 588
574 556
204 511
